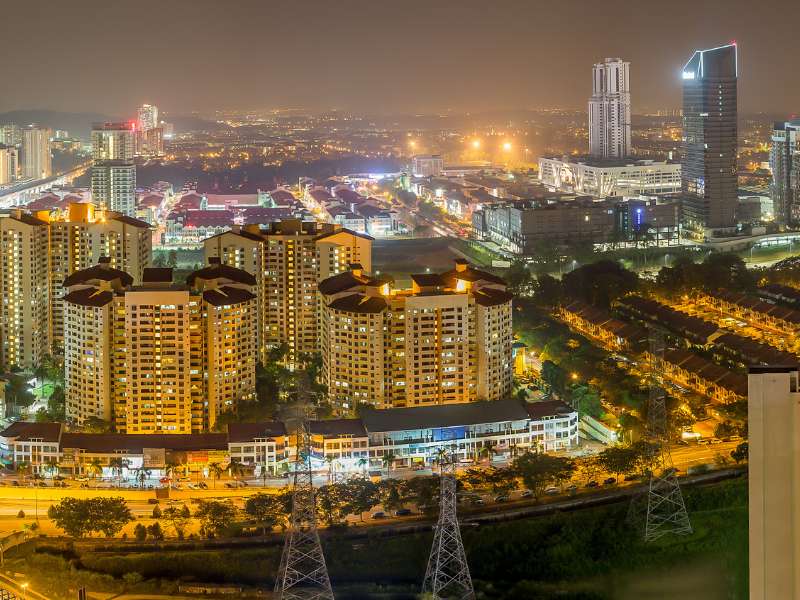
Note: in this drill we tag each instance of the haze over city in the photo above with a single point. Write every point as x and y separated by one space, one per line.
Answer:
379 57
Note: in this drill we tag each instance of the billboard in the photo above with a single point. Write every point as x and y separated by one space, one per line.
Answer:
446 434
154 458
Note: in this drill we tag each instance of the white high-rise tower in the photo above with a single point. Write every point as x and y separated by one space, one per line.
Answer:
610 109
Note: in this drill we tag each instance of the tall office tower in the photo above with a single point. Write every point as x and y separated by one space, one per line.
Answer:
114 172
8 164
708 162
773 409
158 357
610 109
70 240
148 117
24 335
37 162
784 159
446 339
288 259
150 142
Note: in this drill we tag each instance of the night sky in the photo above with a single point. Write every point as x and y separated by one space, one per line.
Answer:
380 56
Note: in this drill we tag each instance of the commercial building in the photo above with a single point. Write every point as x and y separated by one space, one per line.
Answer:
158 357
610 109
523 227
147 117
609 177
37 162
784 160
288 259
427 165
393 438
8 164
44 248
773 412
446 339
708 155
114 172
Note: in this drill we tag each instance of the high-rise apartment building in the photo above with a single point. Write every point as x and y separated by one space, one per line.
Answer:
24 289
784 159
288 259
148 117
158 357
8 164
10 135
37 162
114 172
708 158
610 109
446 339
773 409
50 245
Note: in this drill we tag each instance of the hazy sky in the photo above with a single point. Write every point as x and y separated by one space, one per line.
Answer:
380 55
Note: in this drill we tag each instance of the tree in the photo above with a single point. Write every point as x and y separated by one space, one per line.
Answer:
620 460
156 512
155 531
117 464
95 469
518 278
600 283
739 454
80 517
538 470
215 517
587 400
235 468
96 425
554 376
388 461
266 510
215 470
142 475
389 493
140 532
360 494
547 291
178 518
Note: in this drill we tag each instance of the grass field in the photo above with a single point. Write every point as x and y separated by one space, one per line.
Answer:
588 554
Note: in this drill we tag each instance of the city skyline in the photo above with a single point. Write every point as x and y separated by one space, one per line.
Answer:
416 61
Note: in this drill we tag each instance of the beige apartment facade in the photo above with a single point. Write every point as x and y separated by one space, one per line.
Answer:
773 407
159 357
288 259
446 339
39 251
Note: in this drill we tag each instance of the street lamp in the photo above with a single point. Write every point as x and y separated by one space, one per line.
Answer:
507 146
476 144
24 587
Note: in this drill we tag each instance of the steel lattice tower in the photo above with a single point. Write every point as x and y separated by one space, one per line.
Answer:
447 575
303 574
666 511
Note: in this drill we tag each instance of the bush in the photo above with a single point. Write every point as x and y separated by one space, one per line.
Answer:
21 514
155 532
156 512
140 532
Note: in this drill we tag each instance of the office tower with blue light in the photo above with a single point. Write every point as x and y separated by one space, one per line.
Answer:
708 164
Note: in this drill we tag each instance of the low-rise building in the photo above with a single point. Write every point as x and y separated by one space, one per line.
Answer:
603 177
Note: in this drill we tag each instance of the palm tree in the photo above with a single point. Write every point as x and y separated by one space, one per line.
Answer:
215 470
329 460
52 466
117 464
23 468
143 475
170 469
388 461
235 468
362 463
95 468
264 475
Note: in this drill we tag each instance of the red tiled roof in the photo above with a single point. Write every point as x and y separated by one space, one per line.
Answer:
209 218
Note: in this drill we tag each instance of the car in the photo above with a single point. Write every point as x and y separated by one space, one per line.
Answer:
631 477
164 480
229 485
152 500
715 441
58 478
403 512
703 442
192 486
572 488
526 494
379 515
15 483
609 481
203 485
552 491
241 484
592 484
42 484
501 498
477 501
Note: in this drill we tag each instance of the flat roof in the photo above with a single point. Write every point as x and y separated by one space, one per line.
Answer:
446 415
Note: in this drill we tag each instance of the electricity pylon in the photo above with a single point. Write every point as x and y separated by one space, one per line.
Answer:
447 576
666 511
303 574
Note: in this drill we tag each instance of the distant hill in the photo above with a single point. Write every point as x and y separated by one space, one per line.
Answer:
77 124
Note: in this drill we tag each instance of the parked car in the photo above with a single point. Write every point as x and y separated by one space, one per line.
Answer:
192 486
203 485
477 501
501 498
572 488
164 480
715 441
229 485
526 494
152 500
609 481
403 512
552 491
379 515
592 484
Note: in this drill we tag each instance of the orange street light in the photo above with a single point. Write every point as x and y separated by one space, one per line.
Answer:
476 144
507 146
